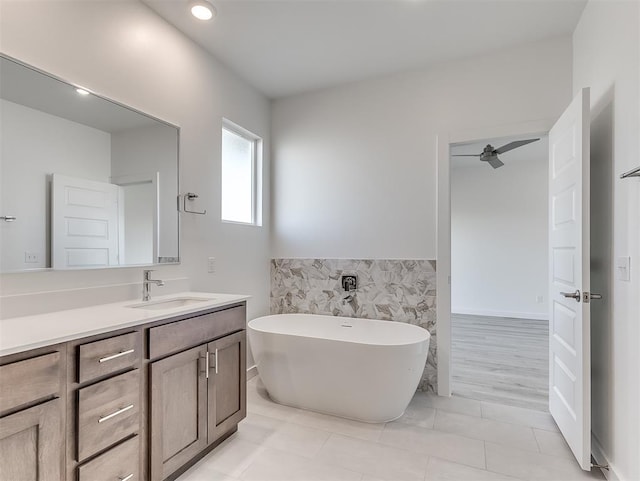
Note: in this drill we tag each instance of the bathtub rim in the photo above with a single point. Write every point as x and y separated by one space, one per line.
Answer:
424 332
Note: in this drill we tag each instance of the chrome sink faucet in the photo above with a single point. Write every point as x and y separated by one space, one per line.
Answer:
146 284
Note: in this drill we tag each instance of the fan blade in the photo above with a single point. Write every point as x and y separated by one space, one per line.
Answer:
513 145
466 155
495 163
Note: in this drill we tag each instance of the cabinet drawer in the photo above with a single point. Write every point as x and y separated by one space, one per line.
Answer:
181 335
96 359
26 381
108 412
121 462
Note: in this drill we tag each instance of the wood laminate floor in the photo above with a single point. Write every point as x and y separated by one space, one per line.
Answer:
502 360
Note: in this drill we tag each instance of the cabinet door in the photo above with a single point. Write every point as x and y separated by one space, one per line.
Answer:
227 384
31 443
178 410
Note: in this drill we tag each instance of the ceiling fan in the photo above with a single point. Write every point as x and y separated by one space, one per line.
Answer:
490 154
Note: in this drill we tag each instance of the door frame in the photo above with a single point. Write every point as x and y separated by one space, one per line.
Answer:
152 178
443 241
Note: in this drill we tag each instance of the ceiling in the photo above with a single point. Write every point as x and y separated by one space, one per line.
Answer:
535 151
284 47
25 86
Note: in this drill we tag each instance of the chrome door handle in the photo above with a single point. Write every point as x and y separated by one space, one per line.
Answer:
572 295
126 478
587 296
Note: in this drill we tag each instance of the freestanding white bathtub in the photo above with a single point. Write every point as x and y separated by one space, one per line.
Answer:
360 369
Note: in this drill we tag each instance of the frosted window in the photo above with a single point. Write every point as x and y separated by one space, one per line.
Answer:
238 170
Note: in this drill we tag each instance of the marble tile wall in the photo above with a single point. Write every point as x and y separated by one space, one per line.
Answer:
393 290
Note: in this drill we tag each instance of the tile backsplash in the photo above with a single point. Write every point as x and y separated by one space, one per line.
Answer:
393 290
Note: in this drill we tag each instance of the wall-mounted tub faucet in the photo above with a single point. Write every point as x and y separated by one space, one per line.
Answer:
146 284
349 284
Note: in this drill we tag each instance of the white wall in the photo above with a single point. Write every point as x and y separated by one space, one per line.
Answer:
147 150
606 46
137 226
354 167
499 234
26 164
126 52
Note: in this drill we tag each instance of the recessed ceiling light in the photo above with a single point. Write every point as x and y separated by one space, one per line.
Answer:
82 91
203 10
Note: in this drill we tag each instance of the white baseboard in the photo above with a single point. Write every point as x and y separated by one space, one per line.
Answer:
492 313
252 372
601 458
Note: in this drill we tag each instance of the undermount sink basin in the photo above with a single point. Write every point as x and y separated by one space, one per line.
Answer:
170 303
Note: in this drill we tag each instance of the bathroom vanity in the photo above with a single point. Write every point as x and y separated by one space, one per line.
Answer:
127 391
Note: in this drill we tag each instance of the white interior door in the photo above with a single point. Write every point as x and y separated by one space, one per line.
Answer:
84 223
569 317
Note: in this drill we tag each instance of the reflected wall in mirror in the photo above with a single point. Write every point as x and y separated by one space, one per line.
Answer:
90 183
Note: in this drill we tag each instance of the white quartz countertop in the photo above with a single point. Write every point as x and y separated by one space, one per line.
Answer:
19 334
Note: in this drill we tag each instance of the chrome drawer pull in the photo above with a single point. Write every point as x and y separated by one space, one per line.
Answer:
127 478
117 355
119 411
216 354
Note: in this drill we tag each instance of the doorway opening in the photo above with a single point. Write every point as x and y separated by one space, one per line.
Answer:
499 270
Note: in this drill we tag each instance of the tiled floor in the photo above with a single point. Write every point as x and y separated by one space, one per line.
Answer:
437 439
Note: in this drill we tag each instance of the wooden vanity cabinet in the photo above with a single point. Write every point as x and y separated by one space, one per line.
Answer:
227 384
136 404
32 415
106 405
197 395
178 410
31 443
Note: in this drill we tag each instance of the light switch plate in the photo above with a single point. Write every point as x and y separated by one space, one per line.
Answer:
211 265
623 268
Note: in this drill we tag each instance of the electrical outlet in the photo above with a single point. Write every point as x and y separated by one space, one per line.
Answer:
31 258
539 299
211 265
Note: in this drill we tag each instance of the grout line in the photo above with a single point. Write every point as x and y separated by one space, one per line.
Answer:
426 470
537 441
484 445
324 443
435 416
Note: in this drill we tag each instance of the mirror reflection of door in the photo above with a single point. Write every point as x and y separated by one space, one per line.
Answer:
99 224
84 223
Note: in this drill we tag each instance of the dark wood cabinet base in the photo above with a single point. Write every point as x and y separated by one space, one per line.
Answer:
140 403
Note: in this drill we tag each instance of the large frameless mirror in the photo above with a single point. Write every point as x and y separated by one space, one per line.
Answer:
85 182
